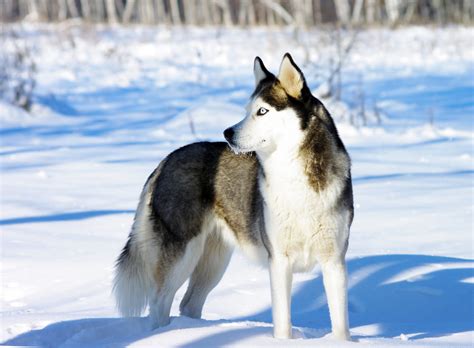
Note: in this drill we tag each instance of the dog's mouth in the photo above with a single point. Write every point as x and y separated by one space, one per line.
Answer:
238 148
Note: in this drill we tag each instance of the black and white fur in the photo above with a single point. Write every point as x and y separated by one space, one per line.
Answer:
287 203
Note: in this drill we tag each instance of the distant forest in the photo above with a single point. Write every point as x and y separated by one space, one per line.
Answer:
242 12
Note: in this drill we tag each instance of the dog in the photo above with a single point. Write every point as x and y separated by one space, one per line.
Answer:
280 189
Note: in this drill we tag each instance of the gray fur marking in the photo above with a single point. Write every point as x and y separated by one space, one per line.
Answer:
200 179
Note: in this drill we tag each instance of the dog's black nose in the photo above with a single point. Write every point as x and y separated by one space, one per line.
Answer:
229 134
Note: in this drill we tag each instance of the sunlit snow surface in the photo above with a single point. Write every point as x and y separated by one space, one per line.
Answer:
111 103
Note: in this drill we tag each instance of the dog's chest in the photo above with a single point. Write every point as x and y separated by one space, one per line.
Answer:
300 222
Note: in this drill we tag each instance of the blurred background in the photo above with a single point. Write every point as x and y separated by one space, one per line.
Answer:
242 12
95 93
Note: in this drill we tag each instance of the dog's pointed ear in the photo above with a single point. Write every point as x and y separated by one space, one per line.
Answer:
259 71
291 77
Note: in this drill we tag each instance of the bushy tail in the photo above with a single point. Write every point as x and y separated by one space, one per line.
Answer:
133 283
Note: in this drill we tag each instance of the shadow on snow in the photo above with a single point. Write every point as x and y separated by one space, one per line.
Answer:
78 215
417 295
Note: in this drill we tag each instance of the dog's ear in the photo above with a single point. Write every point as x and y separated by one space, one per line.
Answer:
291 77
259 71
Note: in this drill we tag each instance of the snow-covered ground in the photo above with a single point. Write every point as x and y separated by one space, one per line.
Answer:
111 103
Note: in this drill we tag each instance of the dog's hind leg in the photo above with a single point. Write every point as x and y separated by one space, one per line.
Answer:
206 275
335 285
170 275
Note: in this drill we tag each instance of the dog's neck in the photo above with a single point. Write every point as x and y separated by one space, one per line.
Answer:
315 155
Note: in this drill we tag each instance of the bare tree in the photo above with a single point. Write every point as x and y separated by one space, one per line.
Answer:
174 9
17 71
410 10
86 10
225 10
62 10
72 7
301 13
281 11
111 13
371 11
357 12
343 10
128 11
392 7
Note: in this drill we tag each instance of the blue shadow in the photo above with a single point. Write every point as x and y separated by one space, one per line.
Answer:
78 215
448 98
411 175
436 301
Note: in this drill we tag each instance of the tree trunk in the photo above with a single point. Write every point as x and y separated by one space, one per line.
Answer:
298 12
467 11
190 15
148 13
175 16
309 12
215 15
160 12
99 12
71 4
86 10
119 7
317 12
410 11
252 19
392 7
246 13
111 13
343 10
242 12
128 11
269 16
370 11
33 10
357 11
62 12
225 8
282 12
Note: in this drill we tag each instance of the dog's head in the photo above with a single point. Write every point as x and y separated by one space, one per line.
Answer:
276 111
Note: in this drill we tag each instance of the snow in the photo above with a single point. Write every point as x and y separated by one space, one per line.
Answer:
112 102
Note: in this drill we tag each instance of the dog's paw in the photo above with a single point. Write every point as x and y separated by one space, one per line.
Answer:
340 336
298 334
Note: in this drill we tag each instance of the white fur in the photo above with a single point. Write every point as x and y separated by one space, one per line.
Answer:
259 133
335 285
281 277
208 272
256 253
300 222
160 304
134 282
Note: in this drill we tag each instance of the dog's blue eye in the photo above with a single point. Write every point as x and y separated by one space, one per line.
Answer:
261 111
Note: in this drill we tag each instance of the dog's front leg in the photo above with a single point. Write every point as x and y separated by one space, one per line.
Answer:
335 284
281 277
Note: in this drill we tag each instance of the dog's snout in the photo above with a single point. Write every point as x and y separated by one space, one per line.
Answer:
229 134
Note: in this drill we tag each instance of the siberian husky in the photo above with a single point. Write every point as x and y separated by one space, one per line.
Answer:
287 202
